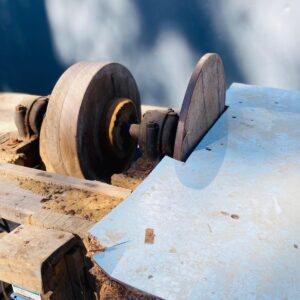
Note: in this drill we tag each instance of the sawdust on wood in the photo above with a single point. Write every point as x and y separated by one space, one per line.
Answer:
109 289
71 201
17 159
132 177
104 287
92 245
92 206
125 181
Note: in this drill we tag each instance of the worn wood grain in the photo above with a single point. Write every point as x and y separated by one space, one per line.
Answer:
47 177
71 140
203 103
24 251
26 207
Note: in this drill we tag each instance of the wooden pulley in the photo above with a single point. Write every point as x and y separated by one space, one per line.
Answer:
81 131
203 103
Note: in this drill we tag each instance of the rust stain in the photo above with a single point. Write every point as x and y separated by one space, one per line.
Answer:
149 236
225 213
235 216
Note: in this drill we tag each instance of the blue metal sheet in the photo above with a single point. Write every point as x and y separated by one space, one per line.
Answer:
226 222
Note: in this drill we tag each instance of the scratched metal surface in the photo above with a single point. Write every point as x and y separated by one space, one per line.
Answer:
227 221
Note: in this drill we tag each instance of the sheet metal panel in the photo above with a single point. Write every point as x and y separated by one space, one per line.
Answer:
226 222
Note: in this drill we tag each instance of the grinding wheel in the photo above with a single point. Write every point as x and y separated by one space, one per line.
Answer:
203 103
75 131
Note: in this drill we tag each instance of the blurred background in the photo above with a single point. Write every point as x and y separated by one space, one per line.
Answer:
159 41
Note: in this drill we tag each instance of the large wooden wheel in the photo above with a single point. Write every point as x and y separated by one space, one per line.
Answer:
73 136
203 103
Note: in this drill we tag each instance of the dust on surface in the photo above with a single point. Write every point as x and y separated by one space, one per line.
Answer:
125 181
108 289
92 245
105 287
12 158
132 177
71 201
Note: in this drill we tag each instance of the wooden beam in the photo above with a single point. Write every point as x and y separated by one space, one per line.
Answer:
25 206
47 177
40 261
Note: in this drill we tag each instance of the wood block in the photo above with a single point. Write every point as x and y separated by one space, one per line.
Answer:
28 252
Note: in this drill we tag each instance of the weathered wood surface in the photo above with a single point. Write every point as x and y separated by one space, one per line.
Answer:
71 139
203 103
44 261
47 177
25 249
25 206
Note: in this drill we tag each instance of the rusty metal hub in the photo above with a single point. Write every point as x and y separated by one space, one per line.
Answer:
156 133
115 127
29 115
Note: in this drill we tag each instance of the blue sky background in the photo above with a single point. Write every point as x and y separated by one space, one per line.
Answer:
159 41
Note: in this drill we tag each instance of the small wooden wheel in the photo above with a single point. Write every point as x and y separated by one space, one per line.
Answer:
203 103
73 141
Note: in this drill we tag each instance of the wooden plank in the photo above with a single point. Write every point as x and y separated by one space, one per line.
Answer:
59 221
17 204
47 177
27 206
